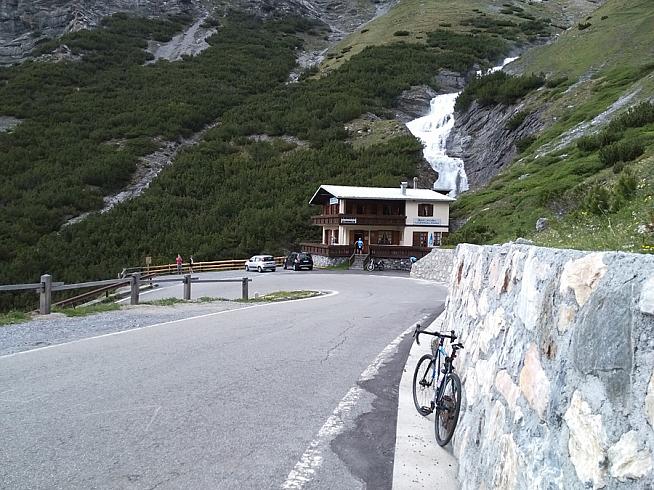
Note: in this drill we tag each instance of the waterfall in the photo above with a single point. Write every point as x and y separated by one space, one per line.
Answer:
433 130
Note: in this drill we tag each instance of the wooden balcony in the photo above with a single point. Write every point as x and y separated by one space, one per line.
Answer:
398 251
359 219
328 250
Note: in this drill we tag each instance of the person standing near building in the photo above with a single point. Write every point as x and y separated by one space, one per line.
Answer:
360 245
179 261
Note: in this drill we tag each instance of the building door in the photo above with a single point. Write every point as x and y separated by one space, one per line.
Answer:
360 234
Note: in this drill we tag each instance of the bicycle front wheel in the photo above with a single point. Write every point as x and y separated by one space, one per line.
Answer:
423 385
447 409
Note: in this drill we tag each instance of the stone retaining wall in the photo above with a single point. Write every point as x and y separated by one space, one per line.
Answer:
557 370
321 261
435 266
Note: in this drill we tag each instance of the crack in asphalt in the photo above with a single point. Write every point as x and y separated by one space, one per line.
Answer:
337 345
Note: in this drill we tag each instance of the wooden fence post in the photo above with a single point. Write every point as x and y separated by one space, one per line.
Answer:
135 286
245 288
187 287
45 301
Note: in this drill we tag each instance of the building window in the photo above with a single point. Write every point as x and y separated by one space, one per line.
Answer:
425 210
361 209
387 210
385 238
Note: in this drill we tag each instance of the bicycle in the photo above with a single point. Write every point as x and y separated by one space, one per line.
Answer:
437 390
374 263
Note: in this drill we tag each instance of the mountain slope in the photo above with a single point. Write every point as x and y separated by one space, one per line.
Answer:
87 120
598 70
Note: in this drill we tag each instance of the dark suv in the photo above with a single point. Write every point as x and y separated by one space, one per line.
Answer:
298 260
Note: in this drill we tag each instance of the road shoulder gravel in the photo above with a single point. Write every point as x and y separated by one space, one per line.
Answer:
57 328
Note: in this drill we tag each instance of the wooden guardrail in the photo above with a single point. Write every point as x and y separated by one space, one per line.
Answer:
207 266
46 287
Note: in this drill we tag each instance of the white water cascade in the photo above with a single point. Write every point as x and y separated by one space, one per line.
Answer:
433 130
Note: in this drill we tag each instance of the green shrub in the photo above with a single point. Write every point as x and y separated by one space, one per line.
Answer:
626 185
498 88
636 117
598 200
583 25
516 120
596 141
524 143
555 82
467 48
622 151
471 233
401 33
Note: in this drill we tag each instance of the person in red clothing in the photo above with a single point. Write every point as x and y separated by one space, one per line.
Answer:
179 262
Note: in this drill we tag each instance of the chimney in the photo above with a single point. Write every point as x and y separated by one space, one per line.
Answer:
403 187
415 182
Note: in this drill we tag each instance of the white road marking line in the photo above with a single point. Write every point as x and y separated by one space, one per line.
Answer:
311 459
121 332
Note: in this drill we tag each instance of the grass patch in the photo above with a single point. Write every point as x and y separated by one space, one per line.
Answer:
419 17
282 296
176 301
164 302
12 317
209 299
343 266
87 310
623 36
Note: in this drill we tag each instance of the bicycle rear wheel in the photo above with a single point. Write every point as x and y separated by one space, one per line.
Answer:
423 385
447 409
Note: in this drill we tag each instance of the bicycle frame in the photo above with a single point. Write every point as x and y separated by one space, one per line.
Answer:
436 375
448 366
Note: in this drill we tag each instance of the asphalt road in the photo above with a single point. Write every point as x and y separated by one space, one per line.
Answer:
231 400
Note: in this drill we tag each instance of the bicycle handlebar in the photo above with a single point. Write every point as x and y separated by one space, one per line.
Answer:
452 336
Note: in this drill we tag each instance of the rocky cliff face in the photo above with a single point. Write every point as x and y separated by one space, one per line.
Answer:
482 139
342 16
24 22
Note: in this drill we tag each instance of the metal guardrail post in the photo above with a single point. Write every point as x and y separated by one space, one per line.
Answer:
245 289
135 286
187 287
45 300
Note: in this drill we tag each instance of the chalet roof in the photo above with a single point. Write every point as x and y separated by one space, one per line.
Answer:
384 193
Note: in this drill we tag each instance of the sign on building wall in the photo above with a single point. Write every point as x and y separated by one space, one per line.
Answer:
333 200
348 221
427 221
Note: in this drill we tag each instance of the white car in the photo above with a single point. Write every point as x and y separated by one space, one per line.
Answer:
261 263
